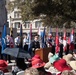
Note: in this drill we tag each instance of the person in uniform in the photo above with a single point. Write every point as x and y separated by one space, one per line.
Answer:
35 44
8 45
25 43
17 41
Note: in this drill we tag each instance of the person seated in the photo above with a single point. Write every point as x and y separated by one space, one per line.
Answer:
39 65
3 66
31 71
1 72
67 72
21 66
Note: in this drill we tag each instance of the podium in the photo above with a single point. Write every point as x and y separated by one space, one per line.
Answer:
43 53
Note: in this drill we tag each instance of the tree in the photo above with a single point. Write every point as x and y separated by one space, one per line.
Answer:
58 12
25 7
52 12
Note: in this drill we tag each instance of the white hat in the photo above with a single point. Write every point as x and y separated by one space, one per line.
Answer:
73 64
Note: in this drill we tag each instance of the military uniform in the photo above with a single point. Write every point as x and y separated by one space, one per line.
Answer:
17 42
25 44
34 46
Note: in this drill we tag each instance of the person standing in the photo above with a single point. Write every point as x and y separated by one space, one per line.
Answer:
17 41
25 43
8 45
61 47
35 44
71 47
68 44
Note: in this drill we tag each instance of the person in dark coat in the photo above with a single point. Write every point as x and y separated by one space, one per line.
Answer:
25 43
20 62
20 66
61 48
53 49
71 47
67 51
35 44
61 51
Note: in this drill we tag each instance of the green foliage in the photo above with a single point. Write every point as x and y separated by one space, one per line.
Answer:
52 12
25 7
58 12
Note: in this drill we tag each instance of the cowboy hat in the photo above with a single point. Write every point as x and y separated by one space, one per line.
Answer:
48 65
73 64
3 65
68 58
38 63
61 65
35 57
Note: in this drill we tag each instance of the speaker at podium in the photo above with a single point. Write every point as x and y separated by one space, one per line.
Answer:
43 53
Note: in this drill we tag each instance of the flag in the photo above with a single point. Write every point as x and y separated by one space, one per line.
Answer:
4 33
57 41
30 31
21 37
30 39
50 33
64 41
43 38
68 40
72 36
11 38
39 31
71 47
50 38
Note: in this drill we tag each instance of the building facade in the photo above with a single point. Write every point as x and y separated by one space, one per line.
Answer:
14 20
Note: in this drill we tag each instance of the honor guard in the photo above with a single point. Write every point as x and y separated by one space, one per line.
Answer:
25 43
17 41
25 40
8 45
35 44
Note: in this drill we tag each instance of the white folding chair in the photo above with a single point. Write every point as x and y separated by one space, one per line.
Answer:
20 73
8 73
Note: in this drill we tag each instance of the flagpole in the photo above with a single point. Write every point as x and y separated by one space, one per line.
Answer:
11 28
21 36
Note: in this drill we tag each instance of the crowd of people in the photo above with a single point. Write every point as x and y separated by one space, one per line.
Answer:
59 63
